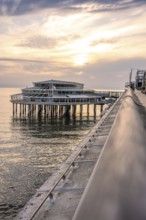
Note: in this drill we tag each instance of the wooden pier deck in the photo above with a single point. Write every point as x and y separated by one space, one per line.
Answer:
58 198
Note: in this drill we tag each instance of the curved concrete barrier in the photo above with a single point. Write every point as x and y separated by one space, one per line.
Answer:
117 187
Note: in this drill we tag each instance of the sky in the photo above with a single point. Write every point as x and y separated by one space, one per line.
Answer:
95 42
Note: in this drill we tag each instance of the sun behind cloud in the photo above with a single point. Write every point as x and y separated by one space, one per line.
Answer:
80 59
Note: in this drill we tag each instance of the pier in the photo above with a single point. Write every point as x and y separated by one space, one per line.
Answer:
54 98
105 176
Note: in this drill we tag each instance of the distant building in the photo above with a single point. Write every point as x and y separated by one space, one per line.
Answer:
57 95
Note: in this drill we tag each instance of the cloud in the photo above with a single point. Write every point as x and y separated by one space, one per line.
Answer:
43 42
35 67
39 42
61 39
19 60
79 73
100 75
22 72
112 74
103 41
19 7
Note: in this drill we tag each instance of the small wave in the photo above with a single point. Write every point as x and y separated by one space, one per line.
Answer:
8 211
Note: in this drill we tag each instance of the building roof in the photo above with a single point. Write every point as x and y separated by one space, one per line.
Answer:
57 82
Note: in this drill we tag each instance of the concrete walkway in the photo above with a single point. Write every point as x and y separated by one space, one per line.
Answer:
116 189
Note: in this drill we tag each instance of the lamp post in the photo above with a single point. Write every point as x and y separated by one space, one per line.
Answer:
131 73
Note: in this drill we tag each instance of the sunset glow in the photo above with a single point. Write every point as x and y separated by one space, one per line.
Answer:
80 59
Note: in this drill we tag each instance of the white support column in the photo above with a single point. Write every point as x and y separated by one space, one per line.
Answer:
64 110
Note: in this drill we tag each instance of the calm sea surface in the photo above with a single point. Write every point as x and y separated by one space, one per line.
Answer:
31 149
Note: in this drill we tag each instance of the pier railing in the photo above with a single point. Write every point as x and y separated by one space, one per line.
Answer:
117 187
100 97
110 93
21 99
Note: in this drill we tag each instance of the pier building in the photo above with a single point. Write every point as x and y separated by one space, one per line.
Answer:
57 98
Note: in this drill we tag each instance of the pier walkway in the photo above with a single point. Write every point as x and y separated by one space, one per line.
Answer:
117 187
105 176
